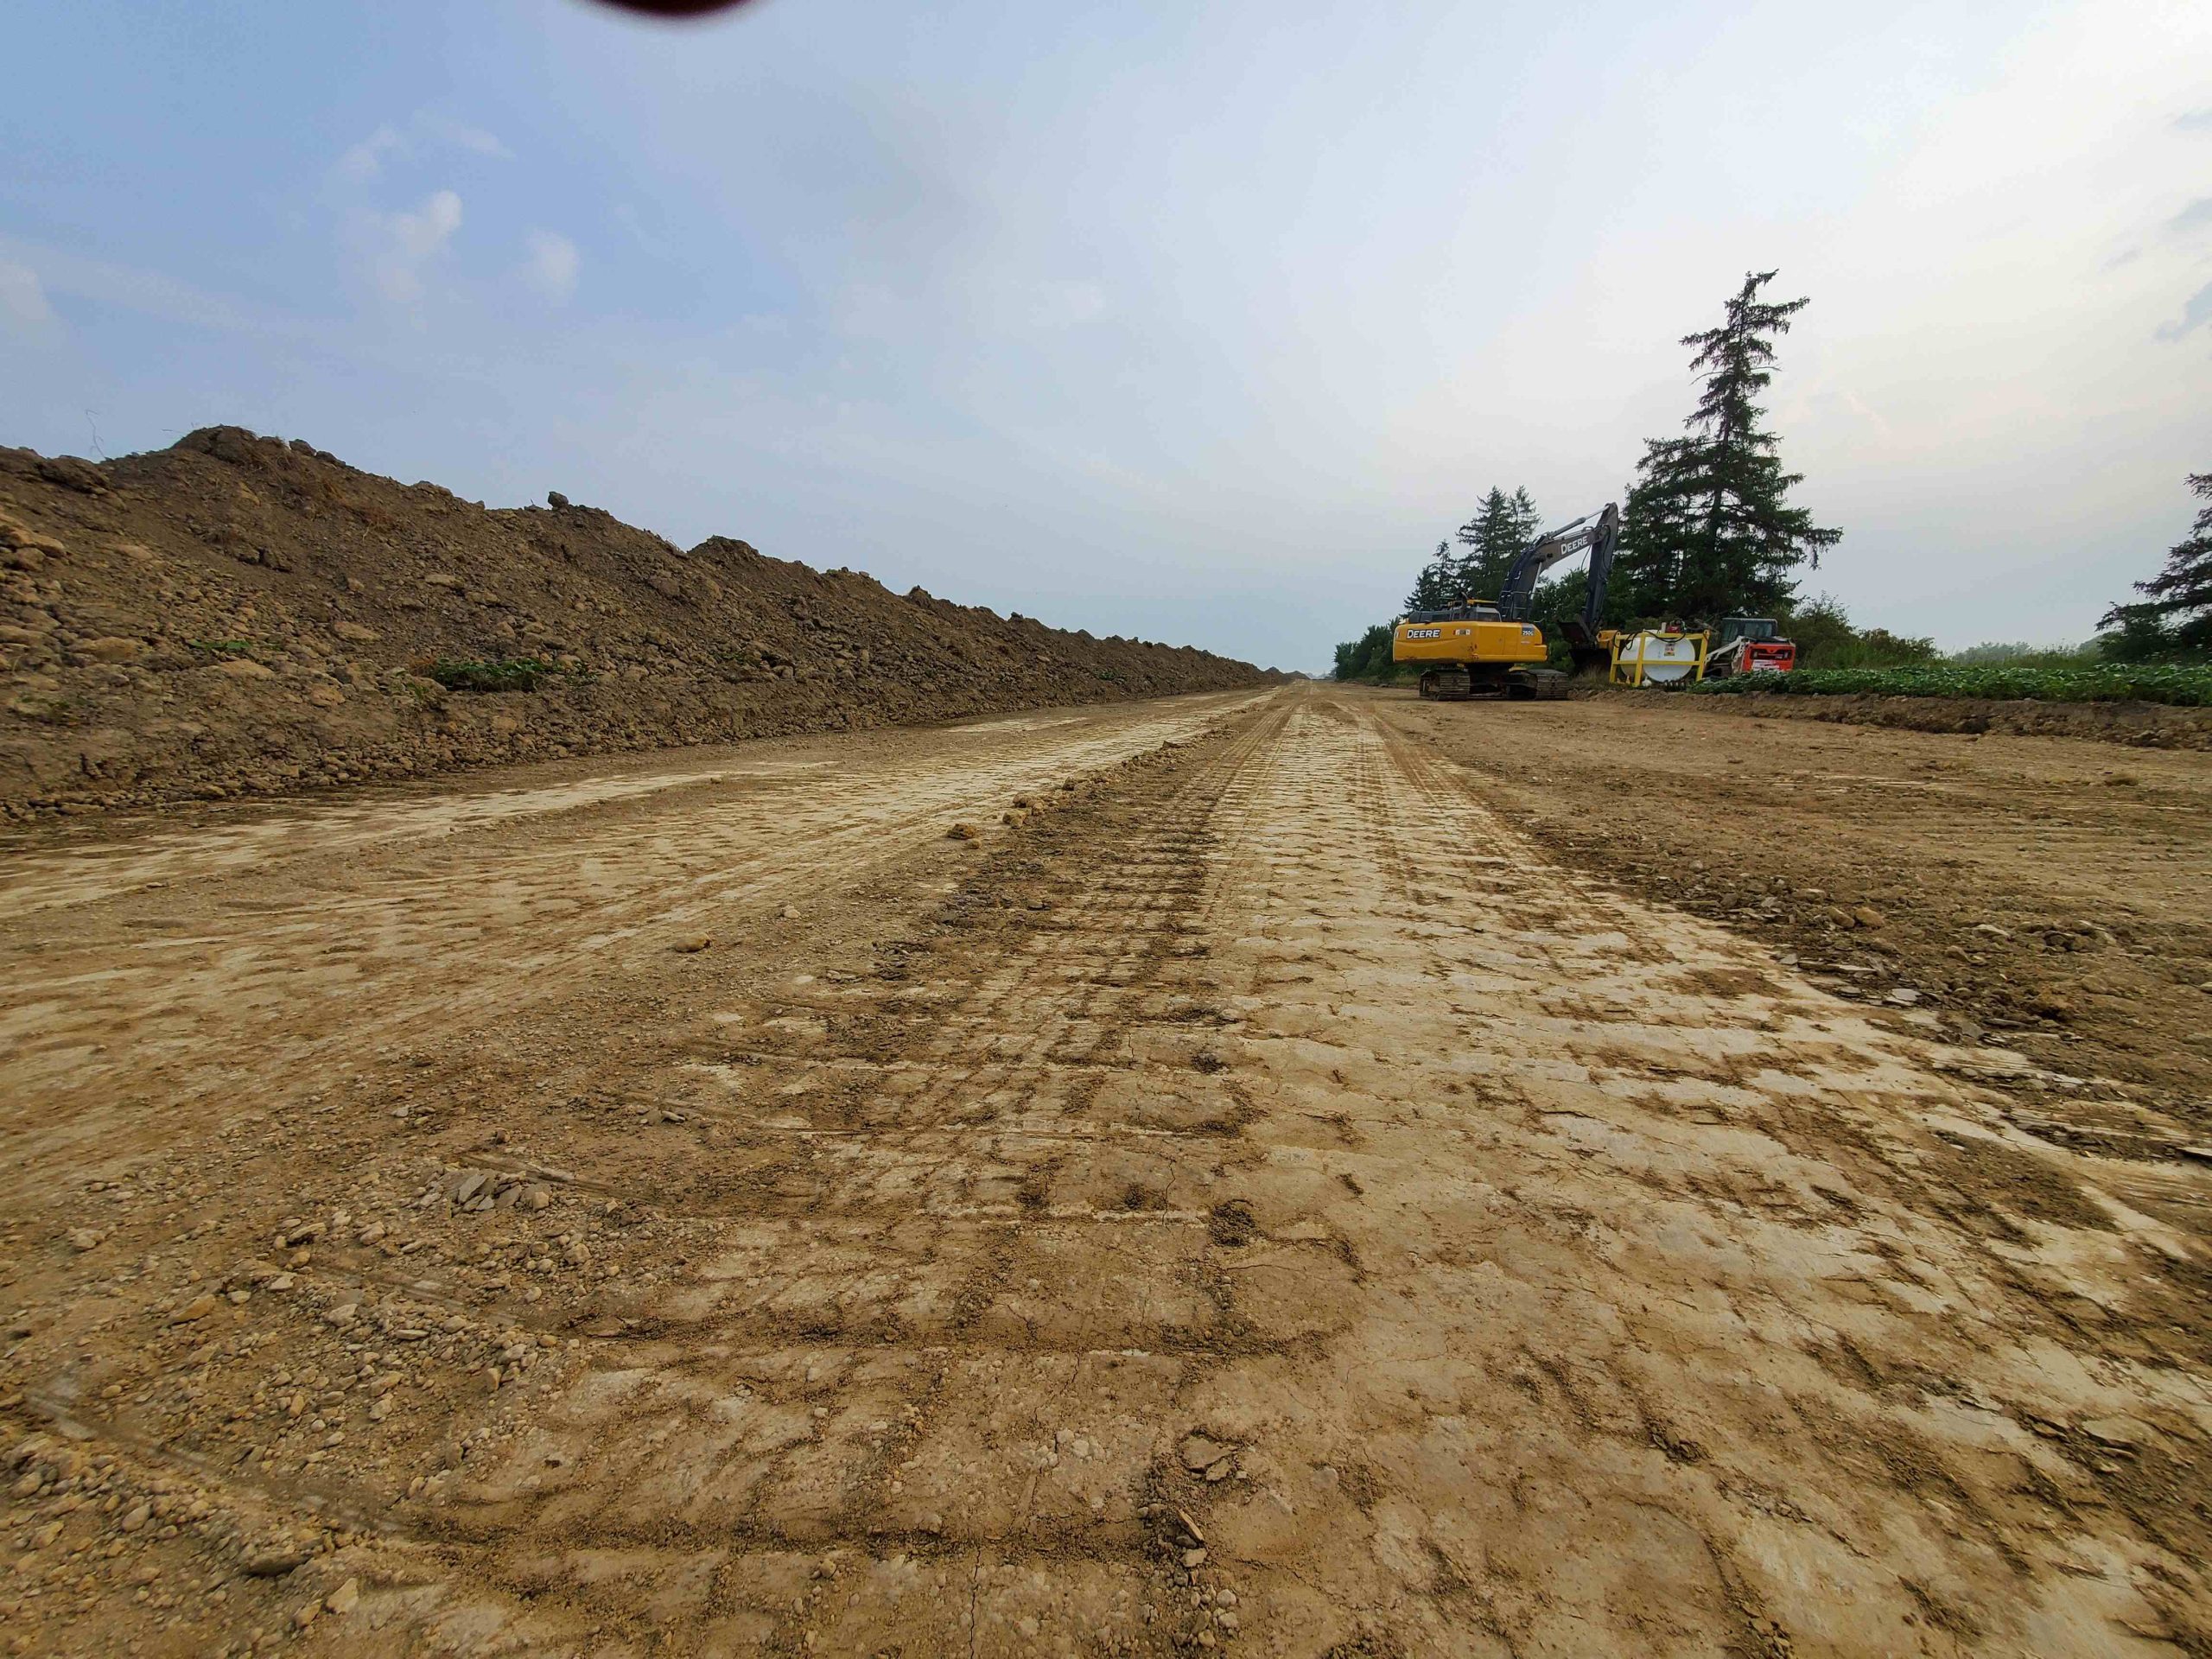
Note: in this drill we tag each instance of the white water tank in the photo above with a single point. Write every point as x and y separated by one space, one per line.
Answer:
1655 658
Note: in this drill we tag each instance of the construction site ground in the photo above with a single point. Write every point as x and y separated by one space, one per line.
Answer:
1302 1171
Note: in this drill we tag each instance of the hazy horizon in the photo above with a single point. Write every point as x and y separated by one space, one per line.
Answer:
1191 323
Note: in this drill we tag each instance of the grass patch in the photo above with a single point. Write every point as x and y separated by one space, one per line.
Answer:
500 674
2186 684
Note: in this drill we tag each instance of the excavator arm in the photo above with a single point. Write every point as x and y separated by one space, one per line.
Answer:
1599 534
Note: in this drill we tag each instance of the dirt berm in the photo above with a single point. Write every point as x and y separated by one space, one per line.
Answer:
240 614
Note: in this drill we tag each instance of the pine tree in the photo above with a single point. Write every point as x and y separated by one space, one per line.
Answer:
1438 585
1502 526
1707 529
2177 615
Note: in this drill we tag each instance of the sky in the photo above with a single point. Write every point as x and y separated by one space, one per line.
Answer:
1192 320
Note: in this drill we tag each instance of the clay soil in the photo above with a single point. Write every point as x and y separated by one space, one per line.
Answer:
2138 725
239 615
1311 1174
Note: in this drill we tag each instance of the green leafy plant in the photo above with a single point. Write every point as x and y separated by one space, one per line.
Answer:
2187 685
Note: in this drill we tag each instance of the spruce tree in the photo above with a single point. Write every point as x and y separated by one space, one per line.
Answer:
2177 615
1438 585
1502 526
1707 529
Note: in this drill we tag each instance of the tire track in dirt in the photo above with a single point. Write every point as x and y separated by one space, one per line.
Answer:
1540 1271
934 1348
1671 1328
355 940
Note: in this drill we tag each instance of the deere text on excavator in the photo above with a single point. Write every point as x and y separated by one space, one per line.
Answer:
1492 648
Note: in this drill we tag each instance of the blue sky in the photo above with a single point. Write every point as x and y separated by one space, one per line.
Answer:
1198 321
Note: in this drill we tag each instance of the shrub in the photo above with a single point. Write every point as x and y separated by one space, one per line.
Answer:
1367 658
501 674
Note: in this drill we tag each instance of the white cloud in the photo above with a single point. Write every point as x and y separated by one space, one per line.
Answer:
366 160
2194 314
23 310
424 130
458 134
397 248
131 288
549 263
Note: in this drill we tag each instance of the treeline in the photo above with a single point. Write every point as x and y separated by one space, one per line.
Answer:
1708 530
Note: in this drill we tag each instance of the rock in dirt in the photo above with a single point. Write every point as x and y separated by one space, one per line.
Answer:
690 944
344 1599
273 1560
1867 916
1199 1452
71 473
964 832
198 1308
2116 1431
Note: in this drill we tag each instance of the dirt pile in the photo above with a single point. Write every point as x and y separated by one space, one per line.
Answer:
2140 725
238 616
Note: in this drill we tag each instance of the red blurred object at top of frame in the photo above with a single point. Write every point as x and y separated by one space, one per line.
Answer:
675 8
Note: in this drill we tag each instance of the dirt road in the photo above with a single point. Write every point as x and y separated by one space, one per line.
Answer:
1256 1200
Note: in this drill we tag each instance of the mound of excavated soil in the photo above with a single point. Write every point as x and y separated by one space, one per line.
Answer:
2140 725
238 614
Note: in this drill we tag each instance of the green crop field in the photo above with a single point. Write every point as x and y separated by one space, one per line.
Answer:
2190 685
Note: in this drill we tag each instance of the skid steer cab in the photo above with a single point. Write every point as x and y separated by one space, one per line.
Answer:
1750 644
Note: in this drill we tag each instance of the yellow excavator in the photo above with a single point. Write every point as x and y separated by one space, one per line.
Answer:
1491 648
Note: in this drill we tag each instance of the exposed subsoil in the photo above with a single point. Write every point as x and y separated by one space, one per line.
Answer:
1251 1196
238 616
2047 896
2141 724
